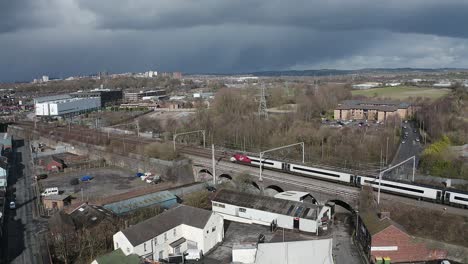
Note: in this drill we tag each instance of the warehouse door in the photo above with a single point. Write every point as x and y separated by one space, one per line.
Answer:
296 223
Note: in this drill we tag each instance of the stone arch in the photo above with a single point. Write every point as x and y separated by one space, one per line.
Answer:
276 188
343 204
205 171
254 184
225 176
204 175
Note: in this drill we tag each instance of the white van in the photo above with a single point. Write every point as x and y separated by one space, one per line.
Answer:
50 191
193 254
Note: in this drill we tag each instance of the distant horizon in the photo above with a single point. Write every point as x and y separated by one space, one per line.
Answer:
339 71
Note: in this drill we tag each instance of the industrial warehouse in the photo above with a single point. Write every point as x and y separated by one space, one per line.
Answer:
65 107
270 211
76 103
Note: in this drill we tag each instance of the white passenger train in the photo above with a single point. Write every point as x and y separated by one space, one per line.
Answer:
424 192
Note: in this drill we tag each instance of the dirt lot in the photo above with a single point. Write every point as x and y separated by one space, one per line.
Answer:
106 182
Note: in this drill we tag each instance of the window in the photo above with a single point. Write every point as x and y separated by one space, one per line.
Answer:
213 229
207 231
165 236
219 205
155 241
144 246
116 245
161 254
174 232
242 210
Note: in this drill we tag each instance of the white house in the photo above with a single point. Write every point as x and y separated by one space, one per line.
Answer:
172 233
269 211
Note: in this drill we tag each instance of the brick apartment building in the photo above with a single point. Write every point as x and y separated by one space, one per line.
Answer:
380 237
372 110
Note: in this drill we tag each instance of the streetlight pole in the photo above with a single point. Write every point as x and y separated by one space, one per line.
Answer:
386 154
391 168
278 148
214 164
191 132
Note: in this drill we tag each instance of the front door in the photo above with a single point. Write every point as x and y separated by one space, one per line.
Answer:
177 250
296 223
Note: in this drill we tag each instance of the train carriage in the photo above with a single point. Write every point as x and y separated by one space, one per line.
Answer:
456 197
406 189
321 173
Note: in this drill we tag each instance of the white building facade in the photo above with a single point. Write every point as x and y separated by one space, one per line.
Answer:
67 106
184 228
269 211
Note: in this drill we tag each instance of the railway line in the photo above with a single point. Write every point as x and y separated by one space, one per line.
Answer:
80 133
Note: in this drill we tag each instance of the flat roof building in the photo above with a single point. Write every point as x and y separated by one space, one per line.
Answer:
372 110
269 211
108 97
133 96
163 199
68 106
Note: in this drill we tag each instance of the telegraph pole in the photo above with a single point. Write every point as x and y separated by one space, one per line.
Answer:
262 107
214 163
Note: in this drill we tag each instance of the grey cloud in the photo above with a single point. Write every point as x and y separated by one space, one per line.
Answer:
68 37
444 18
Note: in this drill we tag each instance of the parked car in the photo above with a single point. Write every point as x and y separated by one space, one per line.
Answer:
12 205
74 181
50 191
86 178
41 176
403 142
211 188
417 139
193 254
153 179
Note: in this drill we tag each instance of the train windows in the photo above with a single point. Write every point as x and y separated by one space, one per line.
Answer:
460 198
298 211
305 212
263 162
290 209
318 172
394 186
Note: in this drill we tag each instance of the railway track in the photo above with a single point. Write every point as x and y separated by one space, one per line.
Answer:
309 183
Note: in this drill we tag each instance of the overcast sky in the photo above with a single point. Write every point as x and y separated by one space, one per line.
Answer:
69 37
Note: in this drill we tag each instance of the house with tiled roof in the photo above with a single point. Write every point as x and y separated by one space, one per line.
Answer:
172 233
380 237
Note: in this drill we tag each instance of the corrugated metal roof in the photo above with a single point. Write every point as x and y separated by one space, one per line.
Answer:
131 204
268 204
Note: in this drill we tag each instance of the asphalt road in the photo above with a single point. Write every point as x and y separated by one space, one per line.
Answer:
411 147
24 232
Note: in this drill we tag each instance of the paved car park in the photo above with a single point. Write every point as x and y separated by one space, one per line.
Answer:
105 182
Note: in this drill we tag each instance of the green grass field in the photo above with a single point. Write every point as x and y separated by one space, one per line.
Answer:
403 92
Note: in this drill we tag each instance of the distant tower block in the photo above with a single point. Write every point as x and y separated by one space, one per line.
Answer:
262 107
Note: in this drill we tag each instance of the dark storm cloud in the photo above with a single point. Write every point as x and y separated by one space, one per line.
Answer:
444 18
68 37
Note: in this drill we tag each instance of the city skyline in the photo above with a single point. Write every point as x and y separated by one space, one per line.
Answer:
66 38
